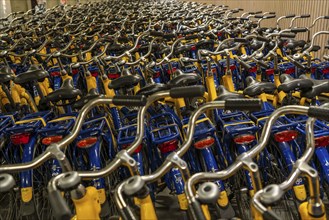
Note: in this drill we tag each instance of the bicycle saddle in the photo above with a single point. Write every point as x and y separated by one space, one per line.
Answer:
288 83
6 74
182 49
225 94
319 86
92 94
32 74
125 80
202 43
293 44
150 89
255 88
65 92
181 79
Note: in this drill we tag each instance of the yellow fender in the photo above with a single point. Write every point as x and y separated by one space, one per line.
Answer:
304 215
147 209
88 207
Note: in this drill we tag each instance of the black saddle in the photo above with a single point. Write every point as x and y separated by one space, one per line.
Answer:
224 94
150 89
126 80
255 88
6 74
34 73
65 92
92 94
288 83
182 79
319 86
292 44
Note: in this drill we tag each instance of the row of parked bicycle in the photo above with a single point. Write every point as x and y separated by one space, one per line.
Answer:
105 105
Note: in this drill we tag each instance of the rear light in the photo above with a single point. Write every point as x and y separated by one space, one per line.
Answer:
321 141
232 68
75 71
285 136
193 48
157 74
94 73
269 72
87 142
204 143
173 70
51 139
168 146
55 74
138 149
22 138
244 139
253 69
113 75
290 71
325 71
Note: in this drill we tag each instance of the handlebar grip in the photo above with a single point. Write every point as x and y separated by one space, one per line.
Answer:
127 214
59 206
190 37
305 16
156 33
270 215
243 104
326 17
245 65
231 19
187 92
298 30
290 16
258 12
263 39
195 211
272 13
169 36
288 35
269 16
259 16
129 100
240 40
318 112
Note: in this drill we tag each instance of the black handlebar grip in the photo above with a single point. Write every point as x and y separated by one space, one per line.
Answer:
326 17
305 16
195 211
259 16
187 92
243 104
269 16
258 12
290 16
288 35
270 215
127 214
263 64
190 37
326 47
169 36
318 112
272 13
263 39
61 210
231 19
298 30
245 65
129 100
244 19
240 40
156 33
188 18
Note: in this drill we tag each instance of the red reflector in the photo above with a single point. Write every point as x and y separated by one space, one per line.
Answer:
168 146
269 72
113 75
87 142
325 71
290 71
75 71
157 74
18 139
51 139
94 73
204 143
55 74
253 69
244 139
138 149
321 141
173 70
193 48
285 136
